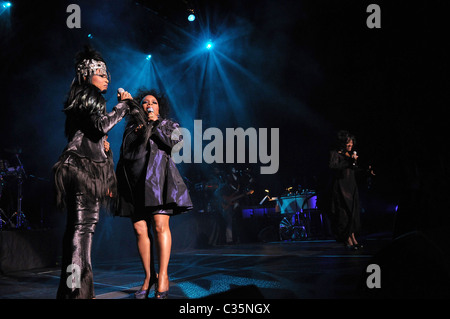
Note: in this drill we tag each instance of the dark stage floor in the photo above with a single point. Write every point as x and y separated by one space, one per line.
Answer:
313 269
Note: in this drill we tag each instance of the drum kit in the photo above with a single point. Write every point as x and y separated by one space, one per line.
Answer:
296 208
10 175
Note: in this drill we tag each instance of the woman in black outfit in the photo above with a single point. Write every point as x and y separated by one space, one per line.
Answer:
151 189
84 174
344 202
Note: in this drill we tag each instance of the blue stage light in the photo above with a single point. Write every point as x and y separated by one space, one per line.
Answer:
149 57
90 36
6 4
209 45
191 17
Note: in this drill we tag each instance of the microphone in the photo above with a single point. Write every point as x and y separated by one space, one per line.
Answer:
149 110
354 159
119 92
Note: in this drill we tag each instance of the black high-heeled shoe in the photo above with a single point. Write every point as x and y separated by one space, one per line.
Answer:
143 294
351 247
161 294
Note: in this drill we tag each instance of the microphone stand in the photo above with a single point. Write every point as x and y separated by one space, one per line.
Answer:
20 215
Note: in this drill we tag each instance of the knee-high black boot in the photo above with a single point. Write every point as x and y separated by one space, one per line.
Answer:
76 273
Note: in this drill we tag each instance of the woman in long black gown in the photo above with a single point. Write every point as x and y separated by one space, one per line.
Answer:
344 202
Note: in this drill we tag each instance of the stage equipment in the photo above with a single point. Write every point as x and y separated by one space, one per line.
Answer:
293 228
231 201
297 223
267 197
191 16
297 203
9 174
203 194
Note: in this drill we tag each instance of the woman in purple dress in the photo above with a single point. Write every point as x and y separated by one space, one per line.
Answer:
151 189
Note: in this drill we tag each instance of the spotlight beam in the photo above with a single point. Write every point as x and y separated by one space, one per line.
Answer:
229 88
243 70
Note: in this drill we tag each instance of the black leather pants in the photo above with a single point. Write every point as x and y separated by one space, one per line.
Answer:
76 270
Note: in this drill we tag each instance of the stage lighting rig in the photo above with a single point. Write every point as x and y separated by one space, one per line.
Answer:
209 45
191 16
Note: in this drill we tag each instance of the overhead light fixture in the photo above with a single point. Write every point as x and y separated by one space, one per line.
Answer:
191 16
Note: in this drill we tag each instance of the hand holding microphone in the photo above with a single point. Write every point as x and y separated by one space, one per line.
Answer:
123 95
355 157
